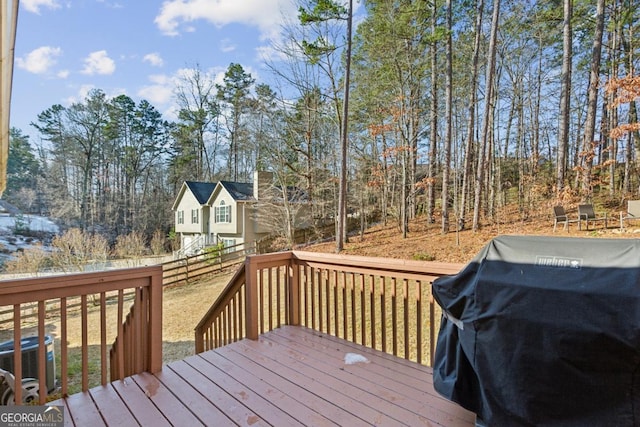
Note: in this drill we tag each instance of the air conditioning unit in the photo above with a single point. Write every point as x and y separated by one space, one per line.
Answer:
29 347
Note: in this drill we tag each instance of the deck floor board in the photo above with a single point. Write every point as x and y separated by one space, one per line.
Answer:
290 376
394 378
360 401
325 387
163 397
280 390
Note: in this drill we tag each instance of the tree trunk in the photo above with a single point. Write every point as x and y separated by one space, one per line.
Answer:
588 143
469 157
565 99
341 232
433 147
449 125
488 106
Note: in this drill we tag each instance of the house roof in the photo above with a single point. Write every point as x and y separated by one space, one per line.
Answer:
201 190
240 191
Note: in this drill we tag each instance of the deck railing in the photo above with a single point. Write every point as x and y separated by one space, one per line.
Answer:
381 303
89 301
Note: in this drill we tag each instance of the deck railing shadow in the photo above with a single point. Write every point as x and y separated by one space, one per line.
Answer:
382 303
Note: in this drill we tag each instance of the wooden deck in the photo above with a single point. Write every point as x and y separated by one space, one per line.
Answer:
290 376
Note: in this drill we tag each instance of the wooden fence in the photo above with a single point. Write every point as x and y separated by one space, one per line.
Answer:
195 267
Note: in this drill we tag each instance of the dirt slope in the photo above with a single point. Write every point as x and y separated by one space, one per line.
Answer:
425 241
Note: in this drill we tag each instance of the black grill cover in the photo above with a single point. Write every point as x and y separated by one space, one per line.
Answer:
543 331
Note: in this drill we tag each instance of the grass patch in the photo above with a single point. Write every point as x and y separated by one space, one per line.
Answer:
423 256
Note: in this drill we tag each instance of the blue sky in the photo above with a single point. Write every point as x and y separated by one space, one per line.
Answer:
64 48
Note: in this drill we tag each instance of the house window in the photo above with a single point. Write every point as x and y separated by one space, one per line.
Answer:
228 245
195 214
223 212
180 217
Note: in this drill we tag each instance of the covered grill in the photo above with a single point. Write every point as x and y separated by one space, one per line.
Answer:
543 331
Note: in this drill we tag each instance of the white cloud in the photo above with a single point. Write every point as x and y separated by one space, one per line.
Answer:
98 63
160 91
269 54
84 90
154 59
35 5
63 74
214 75
265 14
111 5
82 93
226 45
39 60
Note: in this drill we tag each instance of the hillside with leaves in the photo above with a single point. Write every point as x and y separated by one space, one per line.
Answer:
425 242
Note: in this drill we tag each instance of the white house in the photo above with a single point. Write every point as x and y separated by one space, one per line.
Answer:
209 213
191 215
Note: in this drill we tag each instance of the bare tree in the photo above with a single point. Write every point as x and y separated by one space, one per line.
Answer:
283 209
468 160
76 249
321 12
446 167
588 143
565 98
234 95
433 119
198 114
488 107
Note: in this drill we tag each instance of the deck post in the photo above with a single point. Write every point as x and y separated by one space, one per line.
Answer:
294 291
251 289
155 322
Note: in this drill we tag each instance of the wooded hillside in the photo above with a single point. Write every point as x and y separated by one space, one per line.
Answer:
454 110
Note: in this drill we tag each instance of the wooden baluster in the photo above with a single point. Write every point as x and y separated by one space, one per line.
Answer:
281 306
313 298
85 342
394 315
252 296
383 312
405 296
121 337
64 351
419 342
432 329
17 353
270 302
353 307
327 296
372 309
103 338
345 328
234 318
363 317
336 321
42 353
241 317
